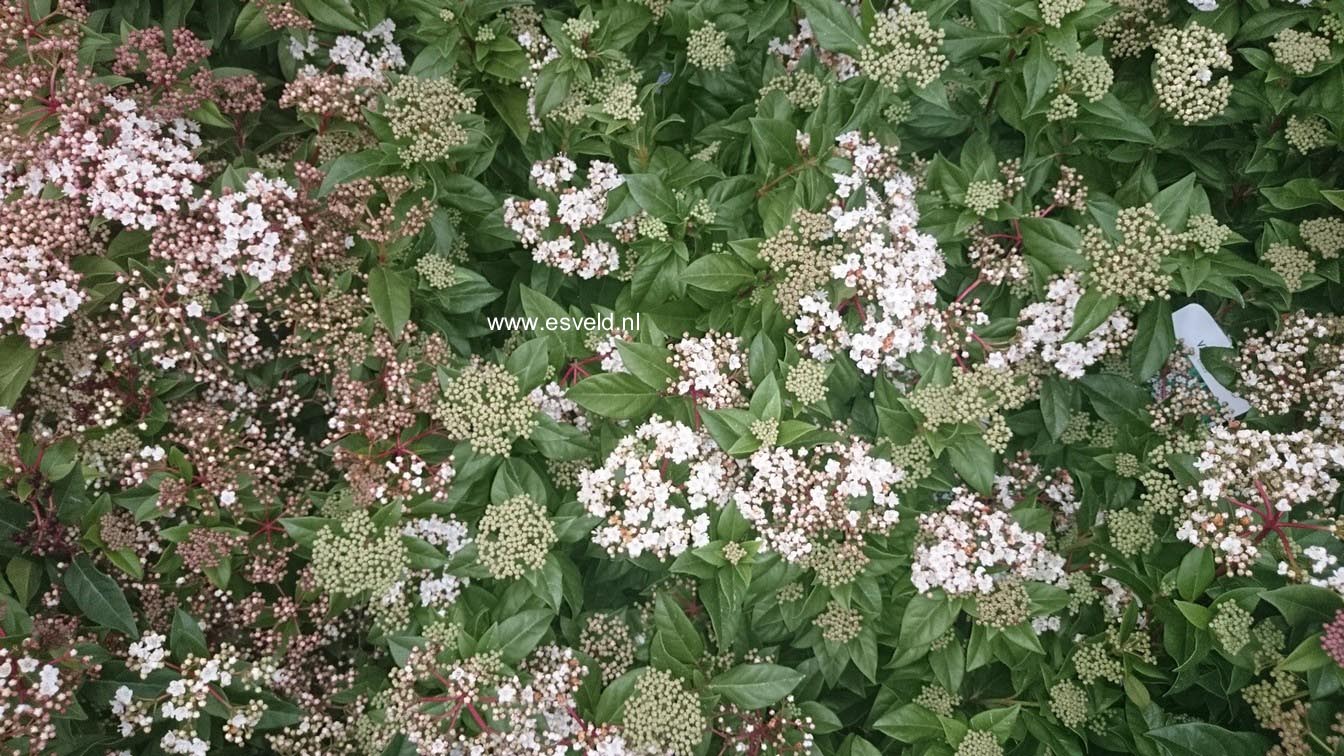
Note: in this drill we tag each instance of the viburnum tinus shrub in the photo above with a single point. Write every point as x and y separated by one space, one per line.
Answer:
677 378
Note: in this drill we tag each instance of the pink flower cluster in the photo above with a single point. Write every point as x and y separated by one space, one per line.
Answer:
38 292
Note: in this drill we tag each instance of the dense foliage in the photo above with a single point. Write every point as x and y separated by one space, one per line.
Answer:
666 378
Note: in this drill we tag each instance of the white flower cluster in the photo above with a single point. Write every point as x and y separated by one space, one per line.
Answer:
1044 325
655 488
369 56
553 403
793 49
531 713
711 370
48 679
1251 478
451 535
184 699
259 231
971 546
1324 570
551 239
147 654
800 500
891 268
146 170
1267 469
38 292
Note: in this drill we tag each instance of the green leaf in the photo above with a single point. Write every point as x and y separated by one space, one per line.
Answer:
185 637
926 618
722 272
17 361
998 721
1195 573
391 295
516 636
910 723
1304 604
974 461
1056 395
1203 739
1111 119
618 395
530 363
653 195
345 168
774 141
1093 309
1054 243
679 635
647 362
1154 339
99 597
754 686
1307 656
835 28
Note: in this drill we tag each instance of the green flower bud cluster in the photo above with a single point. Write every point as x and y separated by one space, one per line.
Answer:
1266 698
663 715
356 559
485 406
983 196
425 112
1184 73
1131 532
807 381
839 624
1231 627
766 431
708 48
1131 30
580 29
803 89
1089 75
607 640
733 552
1054 11
515 536
1299 52
903 50
437 270
980 394
1290 262
1008 605
938 700
1324 236
1162 494
1093 661
1269 642
916 458
1069 704
649 227
789 592
1127 465
800 256
703 212
838 564
1307 133
1206 233
1131 268
979 743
